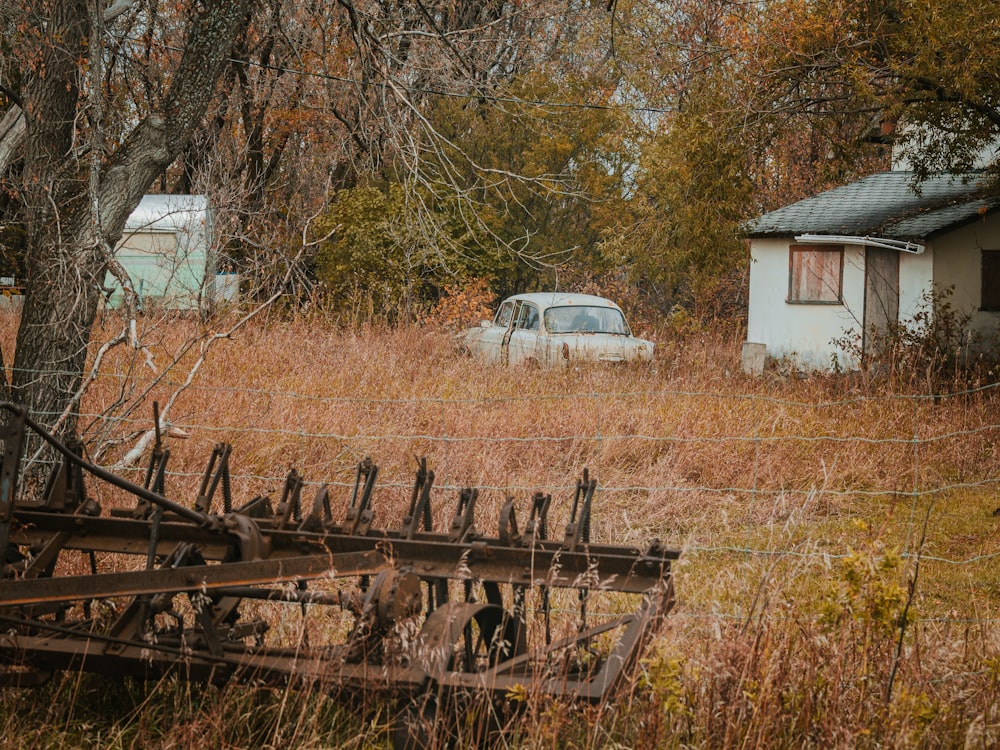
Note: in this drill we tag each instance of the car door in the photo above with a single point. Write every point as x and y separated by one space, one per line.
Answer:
523 340
505 340
491 339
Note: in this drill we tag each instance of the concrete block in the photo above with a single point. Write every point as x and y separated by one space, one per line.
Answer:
753 358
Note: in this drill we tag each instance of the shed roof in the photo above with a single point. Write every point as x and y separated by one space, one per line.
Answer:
884 204
166 213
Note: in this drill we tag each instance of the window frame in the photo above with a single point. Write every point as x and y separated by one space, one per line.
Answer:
989 302
602 312
508 307
521 315
794 250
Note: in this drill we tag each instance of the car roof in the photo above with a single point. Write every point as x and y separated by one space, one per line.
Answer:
561 299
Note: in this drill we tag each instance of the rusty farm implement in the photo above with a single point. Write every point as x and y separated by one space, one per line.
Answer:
421 615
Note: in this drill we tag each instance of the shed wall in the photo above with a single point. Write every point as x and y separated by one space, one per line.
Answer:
801 333
916 277
167 252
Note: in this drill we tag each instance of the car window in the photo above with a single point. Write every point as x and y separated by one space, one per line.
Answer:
503 314
528 317
585 319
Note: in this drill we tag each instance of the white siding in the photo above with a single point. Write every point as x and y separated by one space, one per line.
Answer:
987 155
801 333
804 334
916 277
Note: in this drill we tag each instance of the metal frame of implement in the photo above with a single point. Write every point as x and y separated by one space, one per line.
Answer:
177 598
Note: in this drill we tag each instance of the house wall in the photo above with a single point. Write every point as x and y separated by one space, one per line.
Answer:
802 333
958 264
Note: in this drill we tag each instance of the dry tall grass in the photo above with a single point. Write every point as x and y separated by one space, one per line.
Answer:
839 580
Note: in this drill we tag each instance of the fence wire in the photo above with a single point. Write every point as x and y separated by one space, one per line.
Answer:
718 492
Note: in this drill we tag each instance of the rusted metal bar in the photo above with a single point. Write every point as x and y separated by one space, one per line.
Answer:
187 578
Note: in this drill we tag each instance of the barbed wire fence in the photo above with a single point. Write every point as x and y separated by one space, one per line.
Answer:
728 477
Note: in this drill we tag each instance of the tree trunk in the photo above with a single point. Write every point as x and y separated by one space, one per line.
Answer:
51 344
4 384
11 136
68 245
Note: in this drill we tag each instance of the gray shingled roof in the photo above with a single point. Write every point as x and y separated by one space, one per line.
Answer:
883 205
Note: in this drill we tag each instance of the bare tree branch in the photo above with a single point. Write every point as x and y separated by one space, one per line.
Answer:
11 136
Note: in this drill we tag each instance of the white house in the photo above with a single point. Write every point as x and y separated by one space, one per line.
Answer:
167 250
854 258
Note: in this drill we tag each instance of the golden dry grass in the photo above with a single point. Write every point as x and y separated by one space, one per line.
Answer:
799 503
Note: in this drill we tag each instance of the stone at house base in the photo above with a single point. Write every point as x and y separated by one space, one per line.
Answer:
753 358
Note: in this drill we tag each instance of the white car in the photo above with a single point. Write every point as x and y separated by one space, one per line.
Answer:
556 329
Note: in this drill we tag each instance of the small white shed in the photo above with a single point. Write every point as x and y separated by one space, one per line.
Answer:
168 252
855 258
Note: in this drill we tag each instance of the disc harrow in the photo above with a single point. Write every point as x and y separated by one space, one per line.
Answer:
204 589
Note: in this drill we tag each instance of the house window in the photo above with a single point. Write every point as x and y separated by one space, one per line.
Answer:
991 281
815 274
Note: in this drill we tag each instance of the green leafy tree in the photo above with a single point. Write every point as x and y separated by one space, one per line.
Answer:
681 233
374 260
924 74
541 179
515 194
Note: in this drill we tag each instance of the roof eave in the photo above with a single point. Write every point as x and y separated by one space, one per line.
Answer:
881 231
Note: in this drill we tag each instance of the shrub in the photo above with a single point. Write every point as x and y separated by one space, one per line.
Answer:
935 347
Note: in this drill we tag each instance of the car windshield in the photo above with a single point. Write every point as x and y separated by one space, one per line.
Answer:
585 319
